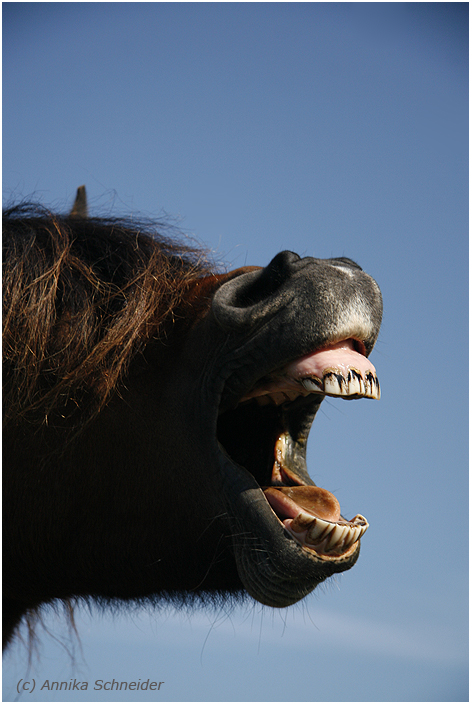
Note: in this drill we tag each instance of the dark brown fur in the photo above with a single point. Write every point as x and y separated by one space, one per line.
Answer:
83 297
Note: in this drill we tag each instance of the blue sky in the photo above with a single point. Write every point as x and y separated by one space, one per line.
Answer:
329 129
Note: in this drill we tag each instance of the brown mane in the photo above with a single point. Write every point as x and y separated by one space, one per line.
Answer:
81 298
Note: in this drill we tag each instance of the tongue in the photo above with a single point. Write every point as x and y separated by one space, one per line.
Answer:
340 356
288 501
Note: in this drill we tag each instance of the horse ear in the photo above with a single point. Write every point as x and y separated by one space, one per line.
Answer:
80 209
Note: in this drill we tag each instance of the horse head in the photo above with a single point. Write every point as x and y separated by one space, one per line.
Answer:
157 416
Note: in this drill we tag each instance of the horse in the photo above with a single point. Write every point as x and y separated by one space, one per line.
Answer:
157 411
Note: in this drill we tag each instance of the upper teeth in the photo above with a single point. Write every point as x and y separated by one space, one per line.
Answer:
335 384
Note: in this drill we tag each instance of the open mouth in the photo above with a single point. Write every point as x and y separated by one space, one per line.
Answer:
267 434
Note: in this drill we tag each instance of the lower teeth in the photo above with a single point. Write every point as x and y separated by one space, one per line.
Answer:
324 536
313 515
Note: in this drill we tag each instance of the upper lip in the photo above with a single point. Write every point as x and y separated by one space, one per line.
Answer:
337 369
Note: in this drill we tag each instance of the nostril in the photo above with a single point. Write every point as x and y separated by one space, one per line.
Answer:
250 298
269 279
